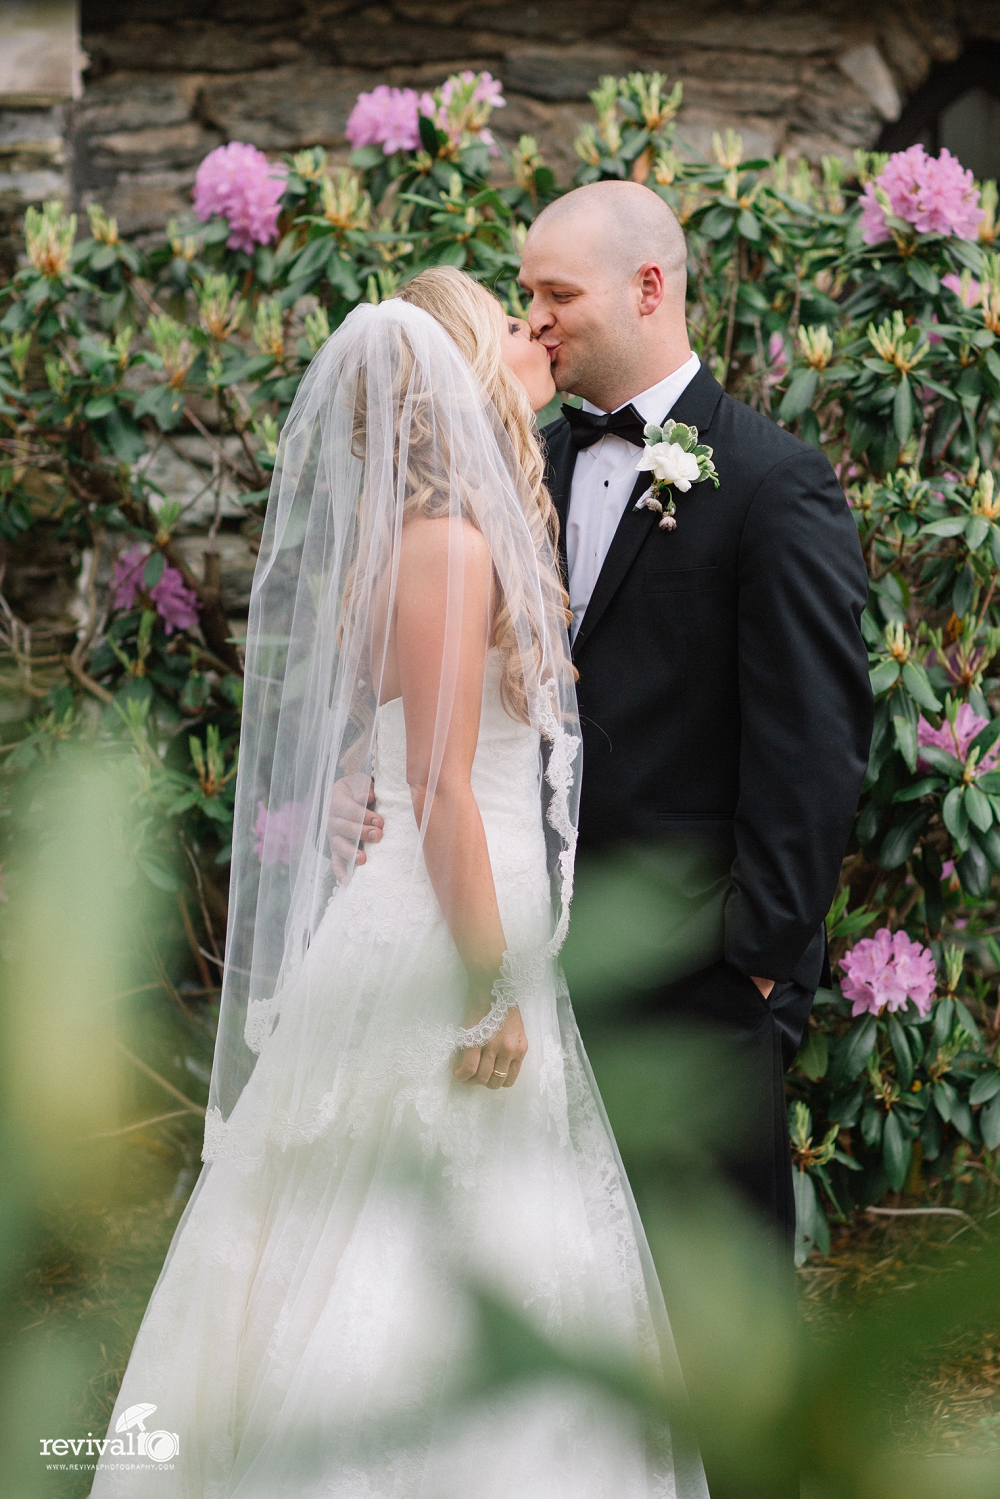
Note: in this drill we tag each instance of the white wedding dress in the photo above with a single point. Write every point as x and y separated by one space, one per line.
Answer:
313 1331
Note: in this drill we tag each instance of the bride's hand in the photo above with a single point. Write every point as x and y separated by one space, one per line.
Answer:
496 1064
350 822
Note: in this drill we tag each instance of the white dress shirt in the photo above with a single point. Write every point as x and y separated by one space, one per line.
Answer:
603 479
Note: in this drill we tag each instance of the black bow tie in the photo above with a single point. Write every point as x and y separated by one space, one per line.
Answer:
586 429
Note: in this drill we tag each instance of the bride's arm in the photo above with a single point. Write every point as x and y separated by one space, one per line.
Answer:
441 656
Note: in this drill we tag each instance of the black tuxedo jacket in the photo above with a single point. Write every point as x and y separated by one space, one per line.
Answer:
724 691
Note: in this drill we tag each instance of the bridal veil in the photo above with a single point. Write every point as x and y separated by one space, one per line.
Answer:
388 421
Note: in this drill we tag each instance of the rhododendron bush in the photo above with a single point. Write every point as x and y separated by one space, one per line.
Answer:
858 305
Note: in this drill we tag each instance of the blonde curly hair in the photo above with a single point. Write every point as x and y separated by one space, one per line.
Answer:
468 314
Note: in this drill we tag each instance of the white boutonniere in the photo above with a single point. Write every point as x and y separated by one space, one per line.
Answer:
676 459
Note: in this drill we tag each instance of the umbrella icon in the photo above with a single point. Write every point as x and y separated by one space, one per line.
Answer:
135 1416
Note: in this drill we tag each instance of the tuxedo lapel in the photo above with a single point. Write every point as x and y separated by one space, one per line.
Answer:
696 406
560 455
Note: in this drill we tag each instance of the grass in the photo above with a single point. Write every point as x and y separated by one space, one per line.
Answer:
949 1404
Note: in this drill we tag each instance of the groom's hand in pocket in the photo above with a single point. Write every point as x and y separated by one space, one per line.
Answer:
351 821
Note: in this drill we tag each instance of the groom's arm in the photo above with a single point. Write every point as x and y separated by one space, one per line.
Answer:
806 708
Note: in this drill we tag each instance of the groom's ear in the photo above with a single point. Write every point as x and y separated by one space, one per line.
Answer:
651 286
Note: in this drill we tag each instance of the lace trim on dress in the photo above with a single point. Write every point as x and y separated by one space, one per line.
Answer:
521 974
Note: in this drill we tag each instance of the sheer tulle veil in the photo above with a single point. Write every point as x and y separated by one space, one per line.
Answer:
389 422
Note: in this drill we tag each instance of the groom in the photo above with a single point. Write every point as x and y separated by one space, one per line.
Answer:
723 680
724 700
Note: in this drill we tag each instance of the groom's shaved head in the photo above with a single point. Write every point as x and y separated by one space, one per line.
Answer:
606 269
625 226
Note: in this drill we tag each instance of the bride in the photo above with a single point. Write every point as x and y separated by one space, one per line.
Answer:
403 1133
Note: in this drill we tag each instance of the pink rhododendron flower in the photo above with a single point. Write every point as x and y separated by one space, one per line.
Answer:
885 971
968 294
238 182
278 834
957 741
777 359
174 601
458 118
936 194
386 117
389 117
488 90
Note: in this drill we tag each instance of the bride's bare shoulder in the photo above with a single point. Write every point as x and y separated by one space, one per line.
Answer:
435 543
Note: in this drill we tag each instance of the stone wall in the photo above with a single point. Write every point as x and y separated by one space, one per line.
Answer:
170 79
40 67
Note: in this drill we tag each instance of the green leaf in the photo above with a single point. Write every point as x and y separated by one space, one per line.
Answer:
340 274
883 676
217 231
953 526
717 222
962 593
899 842
953 812
853 1050
968 1025
871 1125
985 1087
961 1118
986 738
366 157
944 1099
166 406
98 406
942 761
917 684
944 1019
924 275
216 810
989 1125
919 788
814 1056
906 740
124 436
799 395
158 874
902 411
153 570
428 134
811 1228
974 871
979 811
748 225
901 1051
246 369
312 258
976 530
989 842
896 1152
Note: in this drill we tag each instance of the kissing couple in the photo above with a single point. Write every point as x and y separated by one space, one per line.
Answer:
477 657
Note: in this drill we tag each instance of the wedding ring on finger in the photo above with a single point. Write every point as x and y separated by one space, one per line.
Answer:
495 1073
